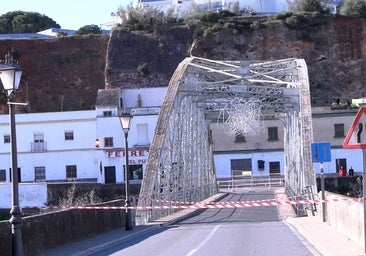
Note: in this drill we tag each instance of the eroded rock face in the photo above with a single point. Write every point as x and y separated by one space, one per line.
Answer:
334 52
60 74
129 52
65 73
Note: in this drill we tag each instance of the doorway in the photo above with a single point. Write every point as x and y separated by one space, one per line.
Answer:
110 174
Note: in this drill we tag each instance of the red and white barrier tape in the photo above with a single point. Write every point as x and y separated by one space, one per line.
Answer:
211 205
190 203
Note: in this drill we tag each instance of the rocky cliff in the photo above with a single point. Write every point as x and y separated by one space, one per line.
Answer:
60 74
65 74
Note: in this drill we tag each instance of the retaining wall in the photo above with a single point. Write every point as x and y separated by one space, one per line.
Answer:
46 231
346 216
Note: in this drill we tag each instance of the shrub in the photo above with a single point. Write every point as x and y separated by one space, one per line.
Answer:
305 19
143 70
74 197
145 18
306 6
355 8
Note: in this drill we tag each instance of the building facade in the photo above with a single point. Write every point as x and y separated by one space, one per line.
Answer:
262 155
89 145
181 6
81 145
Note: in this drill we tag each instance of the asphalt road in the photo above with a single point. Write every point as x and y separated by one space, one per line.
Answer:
235 231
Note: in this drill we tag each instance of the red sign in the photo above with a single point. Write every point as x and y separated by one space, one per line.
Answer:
132 153
356 136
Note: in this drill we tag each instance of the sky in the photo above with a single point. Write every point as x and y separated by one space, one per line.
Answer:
69 14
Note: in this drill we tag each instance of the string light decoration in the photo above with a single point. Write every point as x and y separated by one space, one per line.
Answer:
242 117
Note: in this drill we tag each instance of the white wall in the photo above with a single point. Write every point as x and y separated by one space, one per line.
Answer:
353 156
30 195
260 6
223 168
223 163
53 126
58 152
80 151
150 97
263 6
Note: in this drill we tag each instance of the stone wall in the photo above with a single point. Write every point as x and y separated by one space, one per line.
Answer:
45 231
48 230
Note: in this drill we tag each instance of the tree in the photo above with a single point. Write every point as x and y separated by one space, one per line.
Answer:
306 6
353 8
25 22
89 30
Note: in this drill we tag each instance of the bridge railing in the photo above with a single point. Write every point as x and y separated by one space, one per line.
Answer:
235 182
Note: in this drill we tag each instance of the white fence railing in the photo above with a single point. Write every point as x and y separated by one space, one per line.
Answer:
234 182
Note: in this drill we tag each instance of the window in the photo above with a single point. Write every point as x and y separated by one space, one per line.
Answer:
241 167
38 142
261 165
135 172
38 137
108 141
71 172
107 113
339 130
2 175
272 133
142 133
6 138
40 173
239 138
274 168
210 140
69 135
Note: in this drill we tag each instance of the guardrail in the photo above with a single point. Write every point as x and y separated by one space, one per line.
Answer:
234 182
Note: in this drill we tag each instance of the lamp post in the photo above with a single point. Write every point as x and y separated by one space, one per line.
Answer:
125 119
10 74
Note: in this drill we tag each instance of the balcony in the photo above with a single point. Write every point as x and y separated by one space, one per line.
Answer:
39 146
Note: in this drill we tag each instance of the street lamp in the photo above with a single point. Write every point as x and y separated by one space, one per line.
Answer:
125 119
10 74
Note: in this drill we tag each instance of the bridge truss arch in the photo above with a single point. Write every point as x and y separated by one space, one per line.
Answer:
180 167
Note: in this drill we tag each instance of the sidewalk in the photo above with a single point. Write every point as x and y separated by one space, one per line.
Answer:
325 238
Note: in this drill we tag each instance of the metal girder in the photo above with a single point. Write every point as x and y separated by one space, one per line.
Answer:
180 165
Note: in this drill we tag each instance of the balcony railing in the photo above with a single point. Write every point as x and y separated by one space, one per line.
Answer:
38 146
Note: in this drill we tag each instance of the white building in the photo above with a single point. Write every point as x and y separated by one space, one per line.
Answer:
263 154
61 146
181 6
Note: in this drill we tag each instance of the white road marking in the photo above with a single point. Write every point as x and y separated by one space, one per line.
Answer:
204 241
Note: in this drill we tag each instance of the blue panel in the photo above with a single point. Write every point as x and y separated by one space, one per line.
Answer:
320 152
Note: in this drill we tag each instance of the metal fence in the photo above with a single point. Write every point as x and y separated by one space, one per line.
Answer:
234 182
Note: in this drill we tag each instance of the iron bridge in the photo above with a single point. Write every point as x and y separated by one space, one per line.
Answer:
180 166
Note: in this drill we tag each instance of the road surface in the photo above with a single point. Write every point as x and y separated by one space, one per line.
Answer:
236 231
